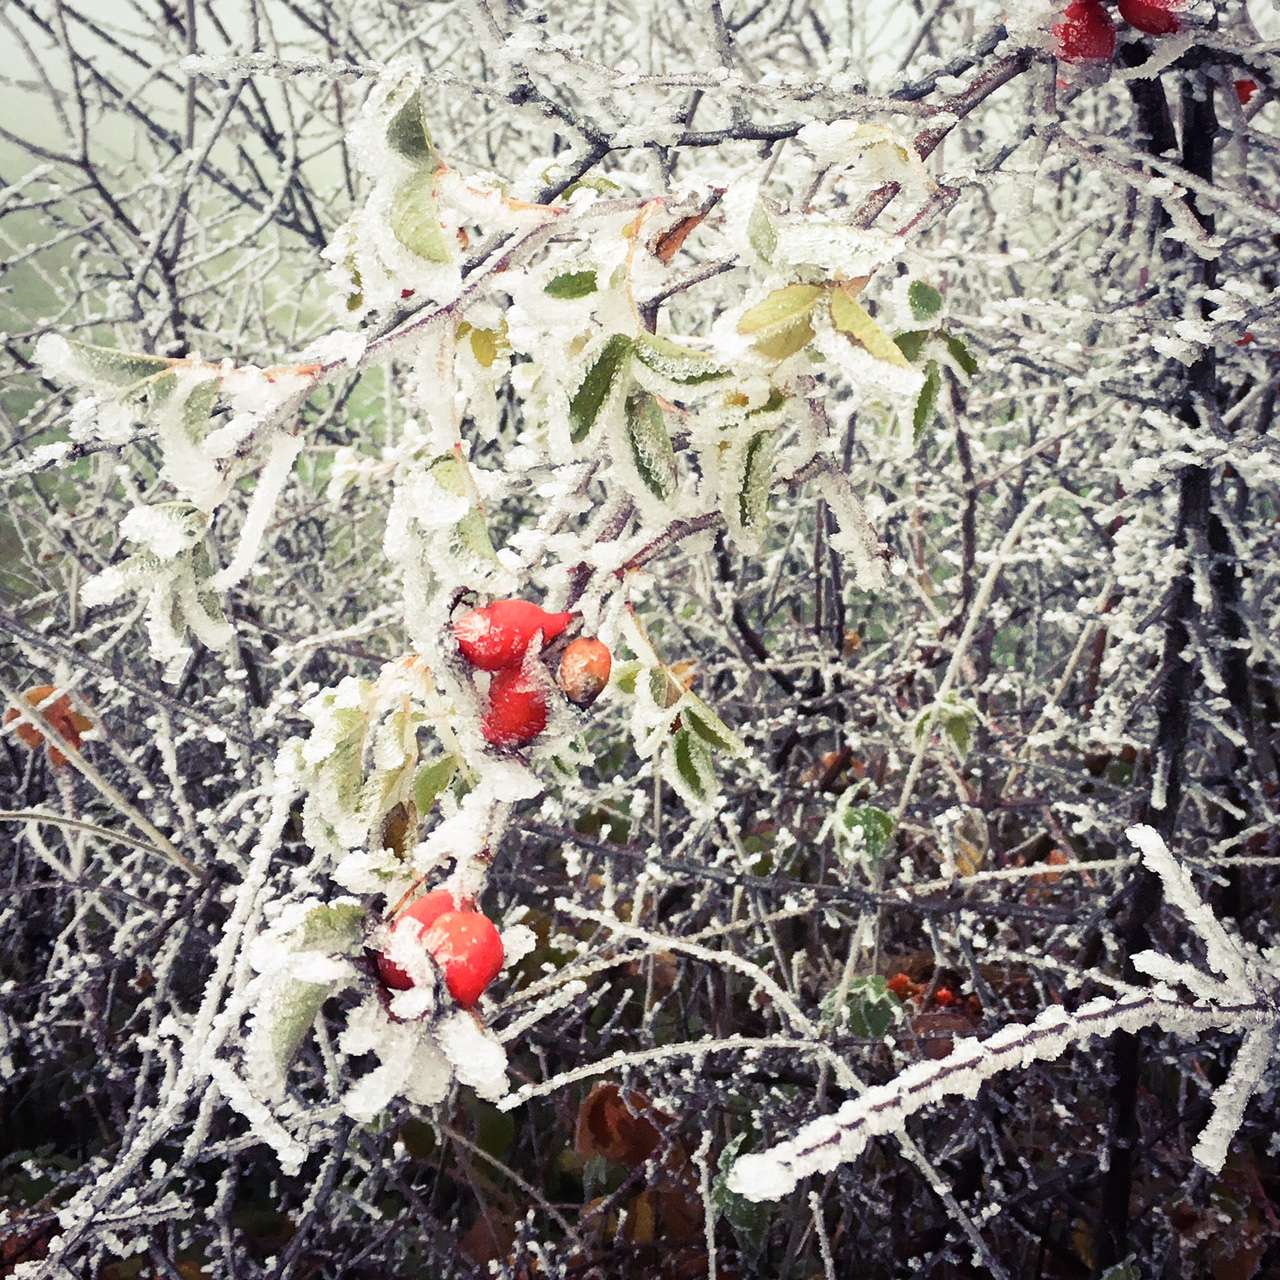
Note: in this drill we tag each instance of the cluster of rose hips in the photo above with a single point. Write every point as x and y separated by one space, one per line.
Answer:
906 988
1088 34
464 943
497 637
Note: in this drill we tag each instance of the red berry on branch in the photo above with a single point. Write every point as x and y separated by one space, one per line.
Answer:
468 948
1086 33
1155 17
517 710
901 986
498 634
1245 89
584 670
420 916
944 996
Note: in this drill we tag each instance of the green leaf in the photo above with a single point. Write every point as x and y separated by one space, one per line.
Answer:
957 720
961 354
597 385
407 134
693 766
415 221
663 688
870 1007
200 404
626 674
924 299
336 928
650 445
851 317
756 477
431 782
748 1219
926 401
867 828
783 307
573 284
912 342
760 233
785 342
959 723
107 367
471 534
292 1012
709 727
676 363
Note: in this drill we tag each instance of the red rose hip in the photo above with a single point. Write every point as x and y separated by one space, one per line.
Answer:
584 670
497 635
517 710
423 914
1086 33
1155 17
468 948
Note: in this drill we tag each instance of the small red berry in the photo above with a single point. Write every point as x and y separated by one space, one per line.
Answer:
424 913
407 293
584 670
497 635
468 948
1155 17
517 710
901 986
1086 33
1245 341
1245 89
944 996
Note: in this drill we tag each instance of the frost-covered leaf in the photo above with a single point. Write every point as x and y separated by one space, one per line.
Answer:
709 727
912 342
335 928
470 532
676 362
781 309
600 382
863 831
694 776
870 1008
761 234
926 401
625 675
415 220
432 781
748 1220
649 444
407 133
663 687
572 284
955 719
925 301
747 477
98 368
782 344
961 354
283 1014
851 317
